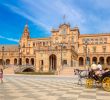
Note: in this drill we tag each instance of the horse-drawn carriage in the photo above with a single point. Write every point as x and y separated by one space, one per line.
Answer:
102 80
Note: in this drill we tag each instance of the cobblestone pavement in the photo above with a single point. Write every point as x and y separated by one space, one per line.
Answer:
47 88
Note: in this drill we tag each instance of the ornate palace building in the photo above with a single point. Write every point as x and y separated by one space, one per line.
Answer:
65 48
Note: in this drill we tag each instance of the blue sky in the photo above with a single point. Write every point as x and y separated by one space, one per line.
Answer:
91 16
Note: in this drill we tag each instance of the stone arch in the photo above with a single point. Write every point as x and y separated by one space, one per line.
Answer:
52 62
108 60
27 61
81 61
7 61
32 61
28 70
101 60
1 61
15 61
94 59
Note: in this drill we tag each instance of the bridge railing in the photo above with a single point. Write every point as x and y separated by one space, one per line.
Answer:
18 68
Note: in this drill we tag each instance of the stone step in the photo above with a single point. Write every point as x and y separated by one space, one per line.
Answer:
67 71
8 70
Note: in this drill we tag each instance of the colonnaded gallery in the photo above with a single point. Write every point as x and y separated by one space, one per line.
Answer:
65 48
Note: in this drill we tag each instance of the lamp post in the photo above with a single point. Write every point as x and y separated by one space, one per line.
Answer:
87 50
19 57
104 55
3 57
61 45
88 57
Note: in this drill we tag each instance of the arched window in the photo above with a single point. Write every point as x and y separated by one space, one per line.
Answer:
15 61
27 61
81 61
108 60
101 60
7 61
94 49
94 59
1 61
32 61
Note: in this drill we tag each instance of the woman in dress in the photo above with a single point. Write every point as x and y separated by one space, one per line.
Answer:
1 75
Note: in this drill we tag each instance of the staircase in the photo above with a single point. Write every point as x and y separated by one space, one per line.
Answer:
8 70
67 71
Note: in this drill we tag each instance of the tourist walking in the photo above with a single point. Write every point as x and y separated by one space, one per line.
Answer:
1 75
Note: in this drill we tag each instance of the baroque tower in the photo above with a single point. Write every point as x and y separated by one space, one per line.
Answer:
25 37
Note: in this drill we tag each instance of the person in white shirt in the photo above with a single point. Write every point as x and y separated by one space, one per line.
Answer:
99 69
99 66
94 66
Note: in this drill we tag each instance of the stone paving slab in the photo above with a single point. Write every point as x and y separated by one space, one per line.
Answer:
47 88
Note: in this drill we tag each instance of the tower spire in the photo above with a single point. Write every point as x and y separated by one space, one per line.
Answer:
26 28
26 33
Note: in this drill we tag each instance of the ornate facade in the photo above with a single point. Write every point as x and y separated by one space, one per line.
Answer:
66 47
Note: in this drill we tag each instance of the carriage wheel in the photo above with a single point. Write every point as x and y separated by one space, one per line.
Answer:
89 83
106 84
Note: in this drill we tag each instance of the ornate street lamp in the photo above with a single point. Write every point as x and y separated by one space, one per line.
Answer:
86 43
87 54
61 45
88 58
104 48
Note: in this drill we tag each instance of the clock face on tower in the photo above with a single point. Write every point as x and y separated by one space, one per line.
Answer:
63 31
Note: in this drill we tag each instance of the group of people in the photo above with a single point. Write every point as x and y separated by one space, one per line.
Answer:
1 75
99 71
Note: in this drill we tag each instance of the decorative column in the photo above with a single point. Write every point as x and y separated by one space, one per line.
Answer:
98 59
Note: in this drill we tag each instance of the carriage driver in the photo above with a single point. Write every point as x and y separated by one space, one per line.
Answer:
97 68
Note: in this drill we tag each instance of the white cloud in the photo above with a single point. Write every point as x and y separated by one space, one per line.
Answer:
41 13
9 39
49 13
28 16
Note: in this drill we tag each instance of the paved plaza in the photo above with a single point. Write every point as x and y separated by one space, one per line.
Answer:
18 87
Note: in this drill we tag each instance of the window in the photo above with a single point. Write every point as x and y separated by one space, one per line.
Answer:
41 54
33 44
27 51
72 39
64 62
56 38
43 43
96 39
101 42
84 49
42 62
105 42
28 44
64 37
104 48
56 47
94 49
64 47
96 42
